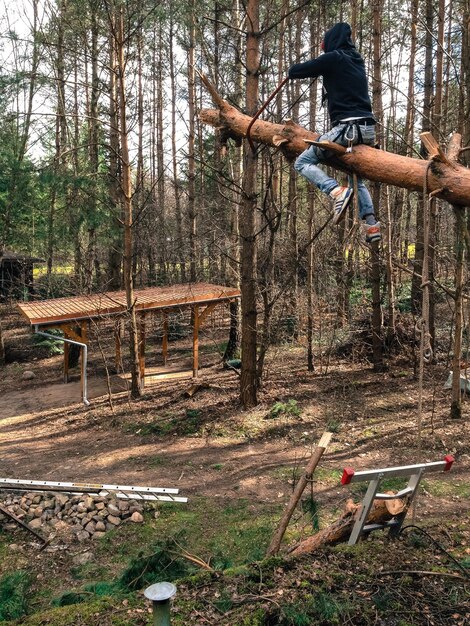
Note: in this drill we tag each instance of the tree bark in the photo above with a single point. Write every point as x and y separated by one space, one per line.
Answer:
450 181
191 149
128 209
248 378
382 511
416 291
460 227
180 255
377 344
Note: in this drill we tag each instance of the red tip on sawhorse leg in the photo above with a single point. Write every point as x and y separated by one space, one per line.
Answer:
449 459
348 473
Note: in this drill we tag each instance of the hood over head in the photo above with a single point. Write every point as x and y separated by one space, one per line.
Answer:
338 37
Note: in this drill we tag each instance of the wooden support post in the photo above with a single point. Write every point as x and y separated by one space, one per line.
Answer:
83 339
118 342
66 359
165 338
142 351
195 340
298 491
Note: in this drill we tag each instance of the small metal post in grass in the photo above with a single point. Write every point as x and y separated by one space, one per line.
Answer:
160 595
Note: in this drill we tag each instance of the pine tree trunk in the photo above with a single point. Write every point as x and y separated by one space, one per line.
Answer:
377 345
191 150
115 252
128 209
460 228
162 227
416 291
234 260
93 150
248 378
180 256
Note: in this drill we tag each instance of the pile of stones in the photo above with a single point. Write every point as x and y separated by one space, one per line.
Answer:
85 516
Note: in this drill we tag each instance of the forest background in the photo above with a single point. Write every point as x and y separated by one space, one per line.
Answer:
108 174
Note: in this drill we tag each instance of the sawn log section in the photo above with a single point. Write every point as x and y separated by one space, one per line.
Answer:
447 179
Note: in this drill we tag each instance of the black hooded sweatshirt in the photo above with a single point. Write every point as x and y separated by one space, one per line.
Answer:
344 75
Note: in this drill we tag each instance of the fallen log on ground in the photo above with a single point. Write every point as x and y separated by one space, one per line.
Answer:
446 178
339 531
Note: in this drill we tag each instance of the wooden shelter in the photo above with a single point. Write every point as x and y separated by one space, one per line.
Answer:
16 274
74 315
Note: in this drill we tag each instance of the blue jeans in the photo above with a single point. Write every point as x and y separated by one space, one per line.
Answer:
307 163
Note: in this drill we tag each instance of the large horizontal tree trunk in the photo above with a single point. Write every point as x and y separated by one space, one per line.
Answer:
448 180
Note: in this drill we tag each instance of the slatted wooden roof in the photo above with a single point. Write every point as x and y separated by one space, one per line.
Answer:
92 306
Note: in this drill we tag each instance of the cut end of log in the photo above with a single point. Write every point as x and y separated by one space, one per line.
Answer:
325 440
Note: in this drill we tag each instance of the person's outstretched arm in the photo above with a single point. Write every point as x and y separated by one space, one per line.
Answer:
314 67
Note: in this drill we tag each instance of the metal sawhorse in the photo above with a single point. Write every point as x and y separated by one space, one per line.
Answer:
415 473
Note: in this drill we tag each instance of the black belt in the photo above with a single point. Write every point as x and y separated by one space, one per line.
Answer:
362 120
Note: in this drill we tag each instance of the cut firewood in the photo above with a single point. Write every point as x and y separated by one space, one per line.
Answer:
339 531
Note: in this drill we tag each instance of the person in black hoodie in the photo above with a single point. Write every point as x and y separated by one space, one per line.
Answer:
346 92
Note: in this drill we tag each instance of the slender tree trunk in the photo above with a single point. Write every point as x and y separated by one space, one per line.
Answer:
433 205
92 205
248 379
180 255
409 128
144 235
314 45
460 228
163 277
377 346
426 126
115 252
191 150
128 209
236 175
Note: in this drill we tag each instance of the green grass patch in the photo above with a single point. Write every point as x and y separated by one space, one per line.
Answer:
14 592
289 408
447 488
320 608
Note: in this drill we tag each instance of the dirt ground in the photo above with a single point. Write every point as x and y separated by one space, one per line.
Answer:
207 446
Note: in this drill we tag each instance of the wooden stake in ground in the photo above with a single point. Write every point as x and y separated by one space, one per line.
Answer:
298 491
